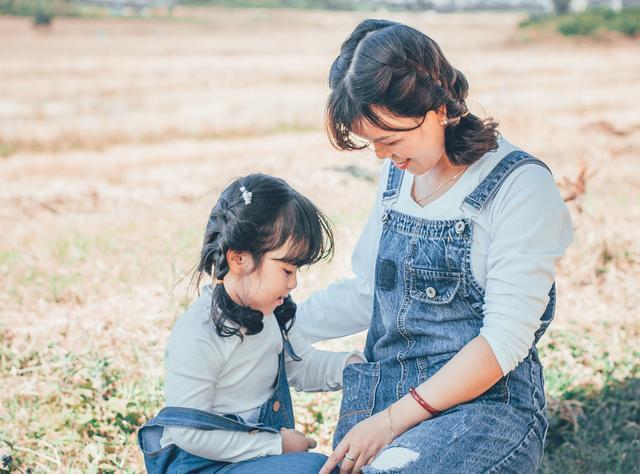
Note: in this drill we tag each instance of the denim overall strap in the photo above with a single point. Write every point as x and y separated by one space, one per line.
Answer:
278 410
150 434
392 190
490 185
203 420
487 189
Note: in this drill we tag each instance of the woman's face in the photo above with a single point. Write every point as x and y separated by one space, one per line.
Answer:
416 151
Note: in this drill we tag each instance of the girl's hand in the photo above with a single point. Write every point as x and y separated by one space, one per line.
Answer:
294 441
362 443
354 359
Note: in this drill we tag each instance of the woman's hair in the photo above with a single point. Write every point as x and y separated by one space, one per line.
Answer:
387 67
258 214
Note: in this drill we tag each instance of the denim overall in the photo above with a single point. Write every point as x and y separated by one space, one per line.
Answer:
427 306
275 414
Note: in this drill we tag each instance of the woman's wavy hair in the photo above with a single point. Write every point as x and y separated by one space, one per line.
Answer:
389 67
276 215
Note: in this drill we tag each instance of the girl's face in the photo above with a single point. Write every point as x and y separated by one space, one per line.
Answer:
264 288
416 151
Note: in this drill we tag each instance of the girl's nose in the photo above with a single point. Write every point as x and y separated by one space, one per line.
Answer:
293 281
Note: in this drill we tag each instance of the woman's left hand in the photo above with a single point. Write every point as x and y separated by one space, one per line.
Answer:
360 445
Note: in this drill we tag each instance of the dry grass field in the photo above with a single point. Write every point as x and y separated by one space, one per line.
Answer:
116 136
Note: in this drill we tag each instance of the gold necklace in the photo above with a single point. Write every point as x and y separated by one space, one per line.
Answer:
419 201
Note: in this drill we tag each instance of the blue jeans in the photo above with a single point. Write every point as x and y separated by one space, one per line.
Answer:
294 463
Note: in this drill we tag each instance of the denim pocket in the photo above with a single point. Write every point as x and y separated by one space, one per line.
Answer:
434 287
360 382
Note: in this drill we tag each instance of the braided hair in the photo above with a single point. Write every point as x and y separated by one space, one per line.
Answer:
273 216
385 66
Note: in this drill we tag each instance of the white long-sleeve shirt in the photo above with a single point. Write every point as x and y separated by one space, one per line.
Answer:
517 240
226 375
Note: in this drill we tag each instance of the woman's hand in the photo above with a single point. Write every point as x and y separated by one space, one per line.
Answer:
361 444
294 441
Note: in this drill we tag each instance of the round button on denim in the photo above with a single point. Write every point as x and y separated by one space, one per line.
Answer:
276 405
431 292
460 227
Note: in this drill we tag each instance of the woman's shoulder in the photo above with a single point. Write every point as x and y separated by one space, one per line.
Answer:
524 179
530 192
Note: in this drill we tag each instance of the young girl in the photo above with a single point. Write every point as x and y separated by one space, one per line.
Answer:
454 270
234 352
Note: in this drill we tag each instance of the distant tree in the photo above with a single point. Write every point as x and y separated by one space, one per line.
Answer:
43 13
561 6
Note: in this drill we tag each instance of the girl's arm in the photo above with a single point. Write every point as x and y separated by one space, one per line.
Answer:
227 446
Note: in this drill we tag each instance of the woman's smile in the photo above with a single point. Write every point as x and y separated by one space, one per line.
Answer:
401 164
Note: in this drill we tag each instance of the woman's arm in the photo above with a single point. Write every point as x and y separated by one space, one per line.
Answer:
530 229
472 371
345 307
318 371
341 309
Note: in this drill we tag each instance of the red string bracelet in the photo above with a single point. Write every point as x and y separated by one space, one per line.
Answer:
422 403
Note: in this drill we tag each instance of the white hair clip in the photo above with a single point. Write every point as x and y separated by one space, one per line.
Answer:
246 195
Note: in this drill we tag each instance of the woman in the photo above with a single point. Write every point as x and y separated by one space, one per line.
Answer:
454 271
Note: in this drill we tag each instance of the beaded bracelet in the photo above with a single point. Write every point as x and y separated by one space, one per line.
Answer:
423 403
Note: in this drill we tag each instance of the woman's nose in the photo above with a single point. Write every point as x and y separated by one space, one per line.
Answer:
381 151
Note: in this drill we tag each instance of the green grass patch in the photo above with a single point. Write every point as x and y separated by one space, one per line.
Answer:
42 11
298 4
598 432
6 149
594 402
589 22
84 415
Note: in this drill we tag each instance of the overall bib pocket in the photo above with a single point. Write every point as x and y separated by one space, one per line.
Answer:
360 382
434 287
430 290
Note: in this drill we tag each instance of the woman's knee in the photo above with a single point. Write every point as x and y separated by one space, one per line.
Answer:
392 459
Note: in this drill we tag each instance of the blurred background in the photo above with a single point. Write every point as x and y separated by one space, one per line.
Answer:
122 120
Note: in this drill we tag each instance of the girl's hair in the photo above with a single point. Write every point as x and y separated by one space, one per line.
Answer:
272 215
385 66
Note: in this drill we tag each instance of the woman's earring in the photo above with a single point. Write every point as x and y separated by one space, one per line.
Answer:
445 122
